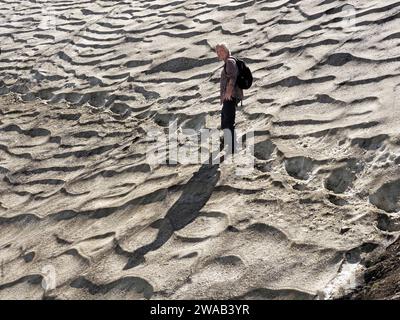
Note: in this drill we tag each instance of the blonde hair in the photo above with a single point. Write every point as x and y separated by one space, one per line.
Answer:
223 46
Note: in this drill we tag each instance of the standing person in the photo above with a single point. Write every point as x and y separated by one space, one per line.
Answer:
230 93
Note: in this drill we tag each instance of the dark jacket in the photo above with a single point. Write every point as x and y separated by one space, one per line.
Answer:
228 77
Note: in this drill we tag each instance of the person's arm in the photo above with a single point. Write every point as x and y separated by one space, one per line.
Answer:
231 72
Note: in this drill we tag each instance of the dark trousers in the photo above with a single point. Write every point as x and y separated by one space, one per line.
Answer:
228 122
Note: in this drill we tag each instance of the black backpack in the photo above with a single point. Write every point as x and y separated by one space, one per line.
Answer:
244 78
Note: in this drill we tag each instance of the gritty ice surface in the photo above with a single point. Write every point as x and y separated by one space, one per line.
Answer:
85 215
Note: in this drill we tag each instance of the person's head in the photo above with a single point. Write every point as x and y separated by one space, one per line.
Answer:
222 51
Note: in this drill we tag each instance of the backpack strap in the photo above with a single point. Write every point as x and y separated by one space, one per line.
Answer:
233 59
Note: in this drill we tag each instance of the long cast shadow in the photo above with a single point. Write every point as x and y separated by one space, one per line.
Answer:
194 196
